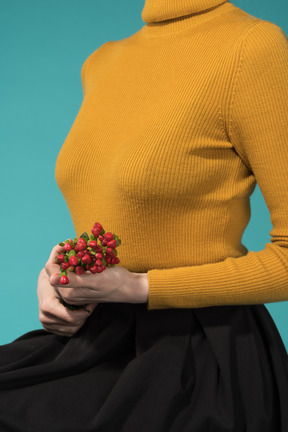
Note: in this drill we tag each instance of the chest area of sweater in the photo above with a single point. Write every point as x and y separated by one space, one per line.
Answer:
150 124
173 86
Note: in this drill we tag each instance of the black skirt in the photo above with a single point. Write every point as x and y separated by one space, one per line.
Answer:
128 369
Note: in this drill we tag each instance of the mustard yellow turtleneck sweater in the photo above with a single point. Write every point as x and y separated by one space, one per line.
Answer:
177 124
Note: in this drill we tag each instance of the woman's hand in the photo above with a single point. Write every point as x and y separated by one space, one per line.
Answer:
114 284
54 317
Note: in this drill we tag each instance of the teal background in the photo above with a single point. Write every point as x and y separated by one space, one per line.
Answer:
43 47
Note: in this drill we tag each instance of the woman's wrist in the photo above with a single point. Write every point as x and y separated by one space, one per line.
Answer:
140 287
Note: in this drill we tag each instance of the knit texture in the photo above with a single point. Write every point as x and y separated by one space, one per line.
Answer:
178 123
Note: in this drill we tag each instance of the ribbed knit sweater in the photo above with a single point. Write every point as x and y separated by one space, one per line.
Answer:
178 123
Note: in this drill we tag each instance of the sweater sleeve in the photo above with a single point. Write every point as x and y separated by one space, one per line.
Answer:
258 130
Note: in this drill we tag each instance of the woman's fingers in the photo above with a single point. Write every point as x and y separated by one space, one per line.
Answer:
54 322
67 325
62 331
53 315
55 310
51 266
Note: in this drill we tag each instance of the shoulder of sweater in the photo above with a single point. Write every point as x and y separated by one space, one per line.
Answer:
98 52
249 31
262 62
256 33
262 43
103 50
255 44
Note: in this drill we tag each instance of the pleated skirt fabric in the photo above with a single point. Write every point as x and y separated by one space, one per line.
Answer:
130 369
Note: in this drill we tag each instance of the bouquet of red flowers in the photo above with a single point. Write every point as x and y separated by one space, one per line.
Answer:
92 254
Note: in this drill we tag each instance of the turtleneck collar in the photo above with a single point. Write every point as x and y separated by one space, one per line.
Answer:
168 17
162 10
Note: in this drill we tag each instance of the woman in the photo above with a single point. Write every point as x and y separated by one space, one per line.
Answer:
178 123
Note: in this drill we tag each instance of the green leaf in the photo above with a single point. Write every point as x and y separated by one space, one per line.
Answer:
63 273
71 252
85 236
118 241
61 244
